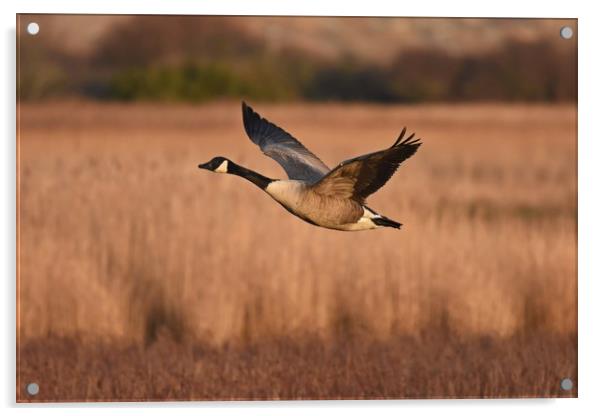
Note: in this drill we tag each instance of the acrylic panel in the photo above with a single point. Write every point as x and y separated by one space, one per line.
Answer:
283 208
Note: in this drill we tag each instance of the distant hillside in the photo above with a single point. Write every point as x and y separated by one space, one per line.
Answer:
381 39
199 58
376 40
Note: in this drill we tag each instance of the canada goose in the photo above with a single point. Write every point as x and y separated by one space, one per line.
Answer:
323 197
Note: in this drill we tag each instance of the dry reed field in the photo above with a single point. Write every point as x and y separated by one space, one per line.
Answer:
142 277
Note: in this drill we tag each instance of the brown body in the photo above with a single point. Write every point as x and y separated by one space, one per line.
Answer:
319 209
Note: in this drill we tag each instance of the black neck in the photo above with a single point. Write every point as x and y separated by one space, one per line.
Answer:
249 175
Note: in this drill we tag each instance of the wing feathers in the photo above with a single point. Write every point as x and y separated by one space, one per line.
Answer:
355 178
400 137
362 176
298 162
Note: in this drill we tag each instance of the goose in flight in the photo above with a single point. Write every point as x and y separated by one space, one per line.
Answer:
330 198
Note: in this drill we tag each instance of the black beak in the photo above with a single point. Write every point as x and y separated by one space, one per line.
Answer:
204 166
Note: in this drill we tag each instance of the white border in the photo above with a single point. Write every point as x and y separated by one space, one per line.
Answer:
511 8
590 206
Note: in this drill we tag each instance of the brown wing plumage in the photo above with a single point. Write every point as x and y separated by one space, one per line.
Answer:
362 176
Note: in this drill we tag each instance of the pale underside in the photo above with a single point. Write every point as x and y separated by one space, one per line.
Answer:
323 210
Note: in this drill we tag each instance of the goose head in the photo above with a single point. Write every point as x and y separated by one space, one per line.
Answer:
218 164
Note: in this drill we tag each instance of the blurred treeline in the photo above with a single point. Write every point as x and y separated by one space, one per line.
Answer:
180 59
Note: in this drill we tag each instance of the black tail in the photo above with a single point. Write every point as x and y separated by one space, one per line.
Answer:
385 222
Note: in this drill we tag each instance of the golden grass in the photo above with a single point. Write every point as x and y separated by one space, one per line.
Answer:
122 239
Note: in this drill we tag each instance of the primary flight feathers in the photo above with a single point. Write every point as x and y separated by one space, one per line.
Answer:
298 162
360 177
328 198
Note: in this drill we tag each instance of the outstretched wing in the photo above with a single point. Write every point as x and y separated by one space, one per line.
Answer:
362 176
298 162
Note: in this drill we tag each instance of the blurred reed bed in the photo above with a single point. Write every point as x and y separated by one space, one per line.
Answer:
123 238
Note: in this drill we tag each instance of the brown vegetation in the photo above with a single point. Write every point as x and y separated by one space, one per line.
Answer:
203 58
141 277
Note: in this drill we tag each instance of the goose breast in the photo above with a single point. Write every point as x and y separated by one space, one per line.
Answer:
298 198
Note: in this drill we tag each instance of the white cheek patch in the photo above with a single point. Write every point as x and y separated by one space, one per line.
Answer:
222 168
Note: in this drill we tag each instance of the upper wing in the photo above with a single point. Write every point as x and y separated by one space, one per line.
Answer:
297 161
362 176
